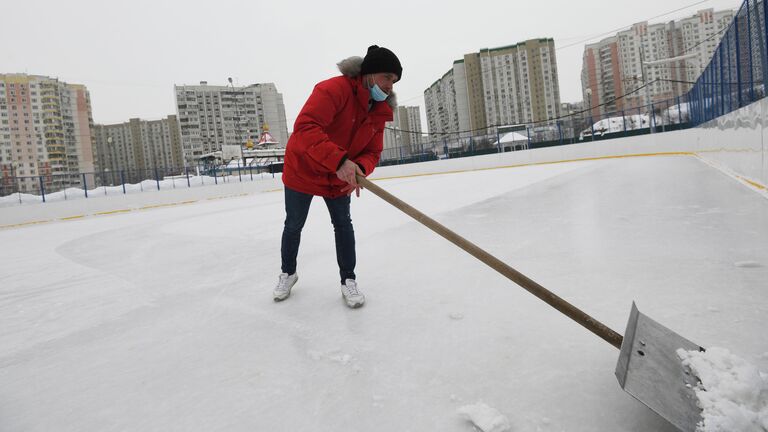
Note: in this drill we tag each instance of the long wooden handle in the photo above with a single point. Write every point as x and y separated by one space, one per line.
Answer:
534 288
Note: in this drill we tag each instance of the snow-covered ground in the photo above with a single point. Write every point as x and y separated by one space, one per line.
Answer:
162 320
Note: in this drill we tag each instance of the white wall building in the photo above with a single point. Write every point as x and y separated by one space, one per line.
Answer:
498 86
211 116
402 136
620 65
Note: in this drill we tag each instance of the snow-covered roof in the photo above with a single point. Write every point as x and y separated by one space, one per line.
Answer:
512 137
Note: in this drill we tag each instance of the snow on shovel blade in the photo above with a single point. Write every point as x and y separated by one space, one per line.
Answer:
650 371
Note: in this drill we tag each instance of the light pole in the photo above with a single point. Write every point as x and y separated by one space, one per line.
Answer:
14 166
588 91
236 117
645 83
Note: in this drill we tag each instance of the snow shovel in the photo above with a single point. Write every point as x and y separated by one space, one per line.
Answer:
648 367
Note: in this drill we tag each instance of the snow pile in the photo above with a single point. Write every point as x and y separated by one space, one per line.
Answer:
616 124
486 418
733 394
177 182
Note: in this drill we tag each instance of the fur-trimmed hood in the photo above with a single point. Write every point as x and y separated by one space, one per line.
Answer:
351 66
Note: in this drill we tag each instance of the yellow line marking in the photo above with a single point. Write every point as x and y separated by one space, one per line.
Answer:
112 212
157 206
24 224
753 183
542 163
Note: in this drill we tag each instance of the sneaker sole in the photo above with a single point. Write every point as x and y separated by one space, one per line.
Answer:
279 299
353 305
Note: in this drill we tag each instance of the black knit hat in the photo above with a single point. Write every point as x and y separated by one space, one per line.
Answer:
380 59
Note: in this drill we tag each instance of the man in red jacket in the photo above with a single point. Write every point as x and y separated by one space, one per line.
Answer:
338 134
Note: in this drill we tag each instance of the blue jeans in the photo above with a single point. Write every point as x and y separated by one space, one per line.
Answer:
296 210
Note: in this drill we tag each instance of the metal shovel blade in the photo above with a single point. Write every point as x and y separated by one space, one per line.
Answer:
650 370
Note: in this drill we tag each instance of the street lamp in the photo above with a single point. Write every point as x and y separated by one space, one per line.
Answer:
14 167
588 92
236 117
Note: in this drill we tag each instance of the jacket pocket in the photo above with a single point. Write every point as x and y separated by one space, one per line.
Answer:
362 137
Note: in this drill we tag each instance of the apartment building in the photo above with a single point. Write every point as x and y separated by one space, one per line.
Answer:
496 86
402 136
649 63
45 133
136 148
211 116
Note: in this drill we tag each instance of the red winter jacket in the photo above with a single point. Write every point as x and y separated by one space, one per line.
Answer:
333 124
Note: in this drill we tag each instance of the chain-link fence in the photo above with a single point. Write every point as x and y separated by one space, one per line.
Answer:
663 116
733 78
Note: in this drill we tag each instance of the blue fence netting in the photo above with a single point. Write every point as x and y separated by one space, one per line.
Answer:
733 78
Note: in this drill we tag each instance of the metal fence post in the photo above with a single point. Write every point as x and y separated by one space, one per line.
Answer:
764 46
624 122
722 80
157 179
122 180
85 186
528 131
186 172
215 180
738 57
42 188
592 127
730 78
239 174
749 47
445 148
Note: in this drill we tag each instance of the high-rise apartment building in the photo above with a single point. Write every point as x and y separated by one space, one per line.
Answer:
700 35
441 99
139 146
664 56
211 116
402 136
45 131
498 86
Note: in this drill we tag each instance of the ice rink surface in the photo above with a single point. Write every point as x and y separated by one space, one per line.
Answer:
163 320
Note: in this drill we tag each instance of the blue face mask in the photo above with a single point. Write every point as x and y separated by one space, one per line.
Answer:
377 93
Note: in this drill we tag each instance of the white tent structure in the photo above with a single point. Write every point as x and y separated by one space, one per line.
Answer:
514 140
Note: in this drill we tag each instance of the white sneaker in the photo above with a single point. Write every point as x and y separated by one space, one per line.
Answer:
352 294
284 285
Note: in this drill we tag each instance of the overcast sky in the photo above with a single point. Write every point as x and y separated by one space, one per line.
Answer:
130 54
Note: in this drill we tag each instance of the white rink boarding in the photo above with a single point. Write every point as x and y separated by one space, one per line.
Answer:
734 143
